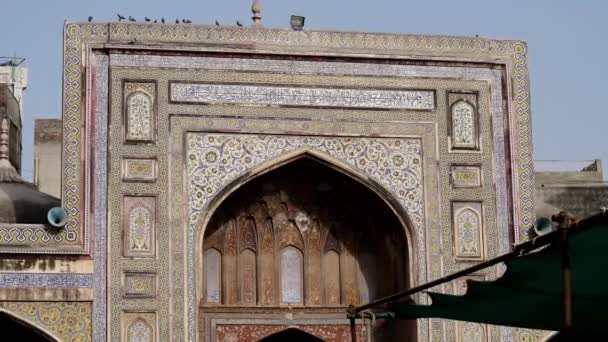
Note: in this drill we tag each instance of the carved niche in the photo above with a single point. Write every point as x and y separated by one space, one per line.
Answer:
468 229
308 251
139 326
463 113
140 116
139 225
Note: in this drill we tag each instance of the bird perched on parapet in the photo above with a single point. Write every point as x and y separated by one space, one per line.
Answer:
217 23
238 23
162 20
120 17
146 19
186 21
90 18
131 18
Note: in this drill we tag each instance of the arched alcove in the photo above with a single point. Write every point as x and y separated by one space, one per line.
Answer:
15 329
319 239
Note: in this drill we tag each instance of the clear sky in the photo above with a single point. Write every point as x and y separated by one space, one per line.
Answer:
567 40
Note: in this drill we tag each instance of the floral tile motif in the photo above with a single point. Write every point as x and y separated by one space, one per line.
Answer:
139 284
468 228
67 321
137 169
140 111
214 160
139 226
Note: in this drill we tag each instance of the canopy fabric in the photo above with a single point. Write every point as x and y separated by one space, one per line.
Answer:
529 294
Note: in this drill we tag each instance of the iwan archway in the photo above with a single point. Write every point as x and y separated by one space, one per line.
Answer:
18 329
296 244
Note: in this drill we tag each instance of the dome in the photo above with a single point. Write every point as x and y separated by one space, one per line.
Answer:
20 201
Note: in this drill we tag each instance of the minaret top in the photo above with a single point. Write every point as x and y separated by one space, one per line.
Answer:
256 9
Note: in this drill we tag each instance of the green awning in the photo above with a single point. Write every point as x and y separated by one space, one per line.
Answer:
529 294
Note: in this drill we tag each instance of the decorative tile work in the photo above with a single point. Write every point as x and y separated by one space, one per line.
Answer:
137 284
66 321
402 147
217 124
79 36
139 226
51 280
100 185
471 332
465 176
138 327
138 169
464 132
468 228
248 277
302 96
256 332
216 159
529 335
140 111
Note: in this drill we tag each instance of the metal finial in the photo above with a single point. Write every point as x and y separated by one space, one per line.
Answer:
256 9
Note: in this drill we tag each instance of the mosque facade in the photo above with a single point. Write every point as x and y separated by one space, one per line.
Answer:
244 183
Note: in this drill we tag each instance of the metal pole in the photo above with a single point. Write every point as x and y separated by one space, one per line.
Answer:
566 277
353 327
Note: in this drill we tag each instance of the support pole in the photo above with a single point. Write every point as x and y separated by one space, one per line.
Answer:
353 327
567 281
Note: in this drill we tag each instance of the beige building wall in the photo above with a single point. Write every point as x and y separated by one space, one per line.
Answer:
47 156
577 187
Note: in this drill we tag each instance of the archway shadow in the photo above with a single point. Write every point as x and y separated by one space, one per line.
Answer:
14 329
291 335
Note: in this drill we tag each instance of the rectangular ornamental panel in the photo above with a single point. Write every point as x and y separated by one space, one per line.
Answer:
139 170
463 176
140 120
139 226
302 96
468 230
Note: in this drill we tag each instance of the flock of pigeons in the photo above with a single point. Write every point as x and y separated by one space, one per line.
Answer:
162 20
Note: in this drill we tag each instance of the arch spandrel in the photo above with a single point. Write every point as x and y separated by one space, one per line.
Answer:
214 171
44 334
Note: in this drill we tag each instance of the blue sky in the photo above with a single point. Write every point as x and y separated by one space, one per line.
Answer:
567 40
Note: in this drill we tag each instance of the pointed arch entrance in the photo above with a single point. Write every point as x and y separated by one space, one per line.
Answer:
305 239
16 329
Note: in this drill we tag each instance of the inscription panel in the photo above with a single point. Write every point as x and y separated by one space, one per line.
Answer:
302 96
465 176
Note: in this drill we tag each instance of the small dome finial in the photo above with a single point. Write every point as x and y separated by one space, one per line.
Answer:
256 9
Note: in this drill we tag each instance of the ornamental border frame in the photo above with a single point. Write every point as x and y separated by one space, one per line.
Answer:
81 38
